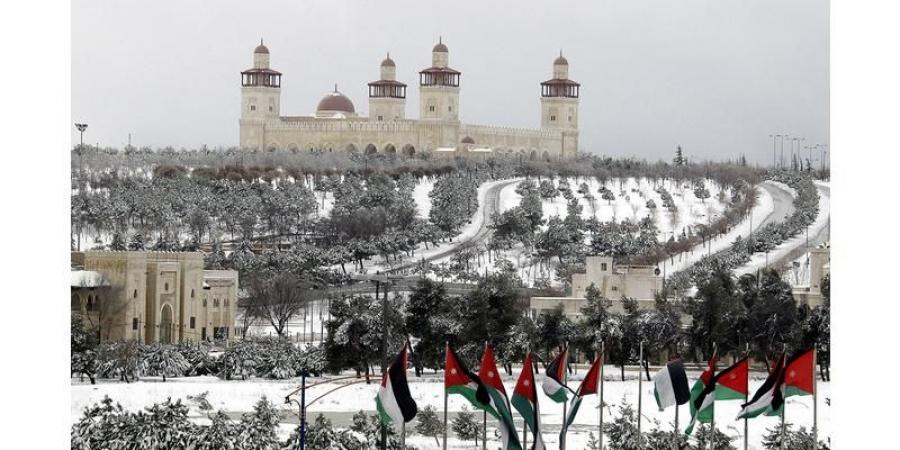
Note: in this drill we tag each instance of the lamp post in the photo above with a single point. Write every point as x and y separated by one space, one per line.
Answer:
302 407
774 151
781 160
81 127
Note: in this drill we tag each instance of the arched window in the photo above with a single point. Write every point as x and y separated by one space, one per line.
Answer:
215 303
192 293
226 301
204 303
134 324
135 294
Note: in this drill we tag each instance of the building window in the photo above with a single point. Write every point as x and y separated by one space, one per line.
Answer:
570 118
135 294
615 288
134 323
270 108
252 107
215 303
166 287
603 267
380 118
203 333
226 301
192 293
431 108
450 108
193 322
553 118
204 303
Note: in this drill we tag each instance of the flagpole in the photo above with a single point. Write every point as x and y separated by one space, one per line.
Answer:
783 400
446 351
484 429
712 421
524 420
564 360
746 395
640 391
600 392
815 429
403 435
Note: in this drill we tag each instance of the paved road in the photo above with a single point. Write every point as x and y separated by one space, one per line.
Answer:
490 206
784 205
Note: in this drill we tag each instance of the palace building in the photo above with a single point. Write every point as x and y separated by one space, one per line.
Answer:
151 297
336 126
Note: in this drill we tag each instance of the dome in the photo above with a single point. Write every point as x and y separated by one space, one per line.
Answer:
261 48
336 101
560 60
388 62
440 47
468 140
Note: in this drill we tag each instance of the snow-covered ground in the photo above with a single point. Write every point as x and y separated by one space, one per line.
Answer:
760 260
239 396
633 204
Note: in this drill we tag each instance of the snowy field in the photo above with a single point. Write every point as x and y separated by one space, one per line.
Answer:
236 397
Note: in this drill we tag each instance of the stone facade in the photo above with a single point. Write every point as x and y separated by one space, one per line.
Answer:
153 296
614 282
336 126
819 266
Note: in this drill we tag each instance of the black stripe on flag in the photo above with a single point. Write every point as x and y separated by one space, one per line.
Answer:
679 382
397 375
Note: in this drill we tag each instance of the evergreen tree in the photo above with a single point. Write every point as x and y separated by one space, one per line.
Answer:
800 439
706 435
166 361
221 433
622 431
260 428
429 424
466 426
679 157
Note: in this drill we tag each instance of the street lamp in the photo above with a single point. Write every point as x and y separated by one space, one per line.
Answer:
81 127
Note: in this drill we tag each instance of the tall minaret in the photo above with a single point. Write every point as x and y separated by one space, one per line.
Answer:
260 99
387 96
559 106
439 88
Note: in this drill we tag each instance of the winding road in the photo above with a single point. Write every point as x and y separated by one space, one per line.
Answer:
487 207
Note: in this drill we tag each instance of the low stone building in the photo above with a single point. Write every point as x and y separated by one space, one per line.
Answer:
807 286
153 296
640 282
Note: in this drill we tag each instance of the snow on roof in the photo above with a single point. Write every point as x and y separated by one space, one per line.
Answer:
481 150
445 149
88 279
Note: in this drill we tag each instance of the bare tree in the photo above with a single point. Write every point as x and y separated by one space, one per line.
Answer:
276 299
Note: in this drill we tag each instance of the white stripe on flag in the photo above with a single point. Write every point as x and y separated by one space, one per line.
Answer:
389 402
665 393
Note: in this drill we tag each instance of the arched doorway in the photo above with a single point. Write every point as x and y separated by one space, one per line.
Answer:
371 149
546 156
165 325
409 150
76 303
390 149
533 155
350 148
293 147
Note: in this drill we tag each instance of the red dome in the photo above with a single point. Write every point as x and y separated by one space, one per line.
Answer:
336 101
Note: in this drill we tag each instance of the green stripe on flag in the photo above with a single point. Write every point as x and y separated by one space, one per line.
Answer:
725 393
790 391
525 409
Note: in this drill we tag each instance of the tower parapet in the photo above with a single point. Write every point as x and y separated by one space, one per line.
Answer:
559 105
439 87
387 96
260 98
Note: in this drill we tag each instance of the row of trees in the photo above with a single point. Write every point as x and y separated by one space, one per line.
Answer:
750 312
129 360
765 239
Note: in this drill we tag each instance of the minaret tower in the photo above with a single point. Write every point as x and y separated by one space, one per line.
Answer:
559 106
439 88
387 96
260 98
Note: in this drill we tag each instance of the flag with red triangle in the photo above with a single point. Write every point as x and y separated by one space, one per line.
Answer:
460 380
800 374
554 384
701 403
499 403
588 386
525 401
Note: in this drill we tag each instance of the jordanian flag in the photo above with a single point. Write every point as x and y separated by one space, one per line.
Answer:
460 380
769 398
588 386
555 382
525 401
499 402
729 384
394 403
800 374
701 403
670 385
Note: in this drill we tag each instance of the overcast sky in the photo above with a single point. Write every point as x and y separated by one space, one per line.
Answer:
716 76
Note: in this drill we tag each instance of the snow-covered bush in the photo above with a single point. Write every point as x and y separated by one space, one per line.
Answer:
165 361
